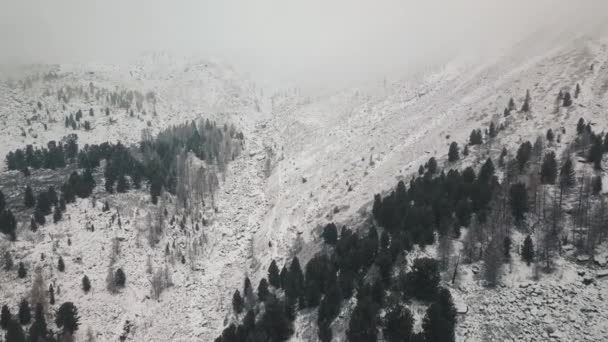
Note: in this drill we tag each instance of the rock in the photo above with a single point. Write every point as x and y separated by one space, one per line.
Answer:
601 260
587 280
461 308
601 273
583 258
475 269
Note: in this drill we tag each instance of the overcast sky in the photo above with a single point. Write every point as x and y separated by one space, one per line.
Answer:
281 39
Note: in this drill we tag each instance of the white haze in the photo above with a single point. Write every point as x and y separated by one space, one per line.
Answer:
306 41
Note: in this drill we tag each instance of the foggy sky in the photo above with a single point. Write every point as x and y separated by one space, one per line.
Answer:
280 39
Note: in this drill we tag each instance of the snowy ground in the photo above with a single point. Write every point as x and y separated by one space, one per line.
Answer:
330 155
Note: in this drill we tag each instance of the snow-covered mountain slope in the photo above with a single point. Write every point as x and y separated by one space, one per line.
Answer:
307 161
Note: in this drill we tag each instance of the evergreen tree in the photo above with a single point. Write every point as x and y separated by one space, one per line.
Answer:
275 321
399 324
273 275
492 130
33 225
577 91
567 100
284 277
362 325
453 153
120 278
8 261
566 175
518 199
330 234
2 201
422 281
523 154
21 272
29 201
465 152
51 295
43 204
432 165
436 327
475 138
5 317
511 104
295 280
14 332
67 318
527 251
263 289
550 135
25 313
39 217
60 265
122 186
506 112
237 302
548 170
329 308
440 319
57 214
596 185
580 126
8 224
38 330
86 284
596 152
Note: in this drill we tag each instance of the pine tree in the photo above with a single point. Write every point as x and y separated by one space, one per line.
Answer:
122 185
237 302
60 265
29 201
8 261
518 199
51 294
550 135
567 100
492 130
86 284
5 317
596 153
38 330
330 234
465 152
580 126
21 272
14 332
2 201
453 153
67 318
511 104
399 324
57 214
273 275
432 165
596 185
8 224
120 278
506 112
577 91
523 154
25 313
548 170
33 225
263 290
527 252
362 325
284 277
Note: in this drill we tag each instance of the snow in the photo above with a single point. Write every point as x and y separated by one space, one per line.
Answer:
369 137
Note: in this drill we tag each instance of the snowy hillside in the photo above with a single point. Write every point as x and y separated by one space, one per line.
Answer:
307 161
